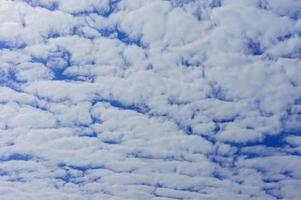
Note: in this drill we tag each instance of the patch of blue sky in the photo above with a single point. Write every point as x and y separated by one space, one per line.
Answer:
112 7
212 3
122 106
81 168
11 46
267 141
254 48
143 109
285 37
68 177
174 101
16 156
4 173
58 62
218 92
227 119
57 59
140 154
294 14
89 12
60 75
3 78
275 143
49 6
122 36
111 141
9 79
263 4
53 35
215 3
190 63
105 12
4 45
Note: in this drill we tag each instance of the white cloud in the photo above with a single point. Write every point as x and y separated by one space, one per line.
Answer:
150 99
32 72
73 6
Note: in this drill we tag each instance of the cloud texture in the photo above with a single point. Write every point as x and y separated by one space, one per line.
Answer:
150 99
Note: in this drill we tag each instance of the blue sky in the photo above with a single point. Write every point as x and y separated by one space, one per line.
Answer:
150 99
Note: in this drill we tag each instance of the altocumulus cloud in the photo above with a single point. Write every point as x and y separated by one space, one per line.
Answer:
150 99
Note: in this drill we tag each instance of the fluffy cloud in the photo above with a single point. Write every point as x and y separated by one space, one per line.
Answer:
177 99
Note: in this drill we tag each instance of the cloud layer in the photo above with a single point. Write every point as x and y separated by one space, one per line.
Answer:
150 99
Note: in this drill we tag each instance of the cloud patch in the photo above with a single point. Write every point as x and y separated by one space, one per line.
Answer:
150 99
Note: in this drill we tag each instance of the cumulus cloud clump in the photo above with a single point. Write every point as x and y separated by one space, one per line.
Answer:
150 99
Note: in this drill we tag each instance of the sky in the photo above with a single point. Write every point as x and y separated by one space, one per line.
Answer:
150 99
